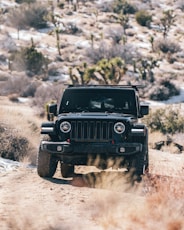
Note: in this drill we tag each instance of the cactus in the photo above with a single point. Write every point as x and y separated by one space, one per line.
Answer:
58 41
145 68
167 21
92 37
123 20
30 59
104 72
151 40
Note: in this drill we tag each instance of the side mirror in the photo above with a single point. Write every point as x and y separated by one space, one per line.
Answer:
51 111
144 110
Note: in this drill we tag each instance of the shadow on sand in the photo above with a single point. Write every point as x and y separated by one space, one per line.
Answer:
103 180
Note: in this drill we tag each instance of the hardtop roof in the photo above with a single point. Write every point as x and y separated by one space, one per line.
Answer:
126 87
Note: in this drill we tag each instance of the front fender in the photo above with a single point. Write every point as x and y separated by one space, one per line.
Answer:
139 130
48 128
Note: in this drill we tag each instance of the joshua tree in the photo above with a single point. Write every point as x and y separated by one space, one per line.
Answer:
104 72
151 40
92 37
123 20
57 29
145 68
167 21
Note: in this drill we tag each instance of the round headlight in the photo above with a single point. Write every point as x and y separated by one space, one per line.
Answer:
119 127
65 127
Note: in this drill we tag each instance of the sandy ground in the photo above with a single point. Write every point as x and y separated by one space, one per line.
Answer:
90 200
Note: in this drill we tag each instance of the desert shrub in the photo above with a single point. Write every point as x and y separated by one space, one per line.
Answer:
8 44
2 58
46 93
126 52
84 1
167 120
53 70
33 15
167 46
14 85
3 77
12 145
13 97
163 90
143 18
29 90
28 58
71 28
25 1
180 5
116 34
60 5
123 7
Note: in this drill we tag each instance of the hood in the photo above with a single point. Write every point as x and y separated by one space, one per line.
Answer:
97 116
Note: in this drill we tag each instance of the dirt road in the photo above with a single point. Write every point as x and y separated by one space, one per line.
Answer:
90 200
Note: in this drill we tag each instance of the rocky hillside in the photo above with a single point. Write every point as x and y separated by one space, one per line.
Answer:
71 37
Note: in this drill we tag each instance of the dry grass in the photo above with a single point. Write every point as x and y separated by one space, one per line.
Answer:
21 121
162 207
155 137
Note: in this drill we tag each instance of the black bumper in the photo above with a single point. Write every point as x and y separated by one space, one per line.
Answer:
80 151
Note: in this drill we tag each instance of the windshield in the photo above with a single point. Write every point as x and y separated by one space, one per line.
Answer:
99 100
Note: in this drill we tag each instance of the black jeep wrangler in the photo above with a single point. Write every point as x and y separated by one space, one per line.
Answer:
95 125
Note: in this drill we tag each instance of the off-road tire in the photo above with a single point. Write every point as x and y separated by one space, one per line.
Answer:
67 170
46 164
138 165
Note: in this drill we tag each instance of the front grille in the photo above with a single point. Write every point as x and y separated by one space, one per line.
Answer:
93 131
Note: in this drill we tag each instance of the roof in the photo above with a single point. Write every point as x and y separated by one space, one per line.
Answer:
107 86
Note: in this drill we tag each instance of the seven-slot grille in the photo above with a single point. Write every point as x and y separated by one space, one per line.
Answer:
91 130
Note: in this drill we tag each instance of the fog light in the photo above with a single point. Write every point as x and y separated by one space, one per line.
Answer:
59 148
122 149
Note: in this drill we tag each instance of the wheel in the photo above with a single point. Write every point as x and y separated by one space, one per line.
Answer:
67 170
46 164
139 165
147 162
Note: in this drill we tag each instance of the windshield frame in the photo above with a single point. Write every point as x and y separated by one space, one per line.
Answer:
104 100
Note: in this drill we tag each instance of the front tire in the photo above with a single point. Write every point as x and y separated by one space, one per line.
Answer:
46 164
139 164
67 170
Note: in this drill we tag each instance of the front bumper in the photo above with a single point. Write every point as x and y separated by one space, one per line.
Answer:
82 150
